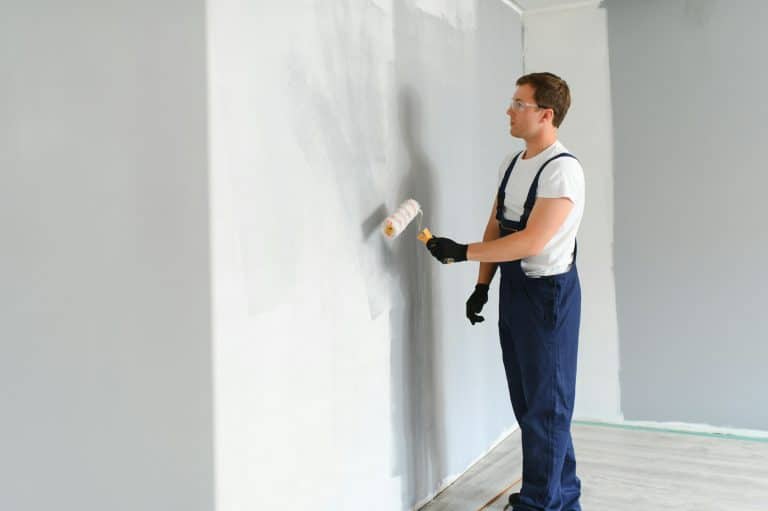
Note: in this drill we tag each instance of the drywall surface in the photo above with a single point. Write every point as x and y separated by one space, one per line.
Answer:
690 208
346 374
105 372
572 43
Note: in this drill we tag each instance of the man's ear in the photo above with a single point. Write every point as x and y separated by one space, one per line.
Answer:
549 114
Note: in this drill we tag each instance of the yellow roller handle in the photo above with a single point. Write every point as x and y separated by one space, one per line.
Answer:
425 236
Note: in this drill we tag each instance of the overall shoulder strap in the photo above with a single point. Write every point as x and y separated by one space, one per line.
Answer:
503 187
531 199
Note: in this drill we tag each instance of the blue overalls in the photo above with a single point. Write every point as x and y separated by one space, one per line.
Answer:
539 331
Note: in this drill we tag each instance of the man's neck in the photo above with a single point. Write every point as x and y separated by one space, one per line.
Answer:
534 147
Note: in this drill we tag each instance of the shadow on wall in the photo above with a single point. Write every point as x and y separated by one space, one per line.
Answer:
417 426
343 128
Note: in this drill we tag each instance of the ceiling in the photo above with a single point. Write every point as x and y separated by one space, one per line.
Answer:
533 5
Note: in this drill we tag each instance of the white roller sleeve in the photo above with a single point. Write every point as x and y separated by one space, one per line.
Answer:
399 220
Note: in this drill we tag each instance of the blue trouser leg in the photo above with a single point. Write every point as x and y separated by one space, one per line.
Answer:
538 326
512 369
570 484
570 306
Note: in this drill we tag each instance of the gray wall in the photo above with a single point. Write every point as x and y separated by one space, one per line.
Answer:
687 89
105 385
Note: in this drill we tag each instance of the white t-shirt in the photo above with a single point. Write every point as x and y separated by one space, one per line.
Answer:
562 177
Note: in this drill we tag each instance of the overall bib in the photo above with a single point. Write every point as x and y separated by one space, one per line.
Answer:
539 329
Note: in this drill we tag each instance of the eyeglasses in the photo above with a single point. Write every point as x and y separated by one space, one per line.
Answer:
519 106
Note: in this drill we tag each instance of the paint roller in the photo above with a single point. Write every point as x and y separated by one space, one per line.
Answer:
397 222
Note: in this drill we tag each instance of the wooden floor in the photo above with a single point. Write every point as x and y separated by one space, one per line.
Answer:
624 469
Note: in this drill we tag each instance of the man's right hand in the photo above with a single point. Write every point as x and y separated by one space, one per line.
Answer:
477 299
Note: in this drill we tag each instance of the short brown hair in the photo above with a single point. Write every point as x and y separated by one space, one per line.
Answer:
549 91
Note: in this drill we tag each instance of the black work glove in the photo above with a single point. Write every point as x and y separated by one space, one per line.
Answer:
477 299
446 250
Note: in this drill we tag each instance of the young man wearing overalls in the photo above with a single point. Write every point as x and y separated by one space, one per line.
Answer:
531 235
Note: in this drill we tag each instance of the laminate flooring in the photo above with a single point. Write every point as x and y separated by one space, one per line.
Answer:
623 469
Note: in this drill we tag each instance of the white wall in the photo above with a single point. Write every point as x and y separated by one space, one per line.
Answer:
346 374
571 41
105 384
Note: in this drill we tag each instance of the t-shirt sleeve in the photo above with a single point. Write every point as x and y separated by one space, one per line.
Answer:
563 177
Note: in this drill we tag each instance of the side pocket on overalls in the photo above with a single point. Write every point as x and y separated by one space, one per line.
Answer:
543 294
556 285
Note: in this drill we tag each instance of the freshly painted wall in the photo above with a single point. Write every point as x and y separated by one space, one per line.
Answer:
689 126
105 323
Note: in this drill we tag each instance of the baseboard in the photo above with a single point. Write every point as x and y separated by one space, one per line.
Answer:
685 428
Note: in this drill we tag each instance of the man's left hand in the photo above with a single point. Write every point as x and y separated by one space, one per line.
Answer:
446 250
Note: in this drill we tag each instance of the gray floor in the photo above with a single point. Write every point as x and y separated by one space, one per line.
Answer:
625 469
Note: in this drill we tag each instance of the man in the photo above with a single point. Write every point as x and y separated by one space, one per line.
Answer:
531 235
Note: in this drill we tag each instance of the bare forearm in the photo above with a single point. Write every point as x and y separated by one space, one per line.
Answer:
512 247
488 270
